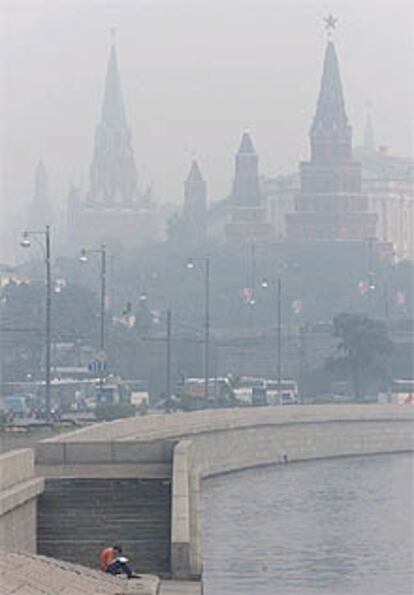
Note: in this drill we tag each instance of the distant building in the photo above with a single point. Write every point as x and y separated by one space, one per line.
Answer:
280 193
247 217
188 230
330 204
194 215
114 210
388 182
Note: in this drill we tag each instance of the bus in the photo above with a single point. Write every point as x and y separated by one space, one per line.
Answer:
195 387
287 395
260 391
402 392
249 390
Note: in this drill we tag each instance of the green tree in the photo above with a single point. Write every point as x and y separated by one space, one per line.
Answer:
363 352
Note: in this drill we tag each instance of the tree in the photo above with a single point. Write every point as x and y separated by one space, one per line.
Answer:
363 352
74 317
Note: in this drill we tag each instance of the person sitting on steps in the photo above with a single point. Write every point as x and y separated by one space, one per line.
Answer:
112 562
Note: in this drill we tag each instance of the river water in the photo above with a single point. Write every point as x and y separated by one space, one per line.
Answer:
338 527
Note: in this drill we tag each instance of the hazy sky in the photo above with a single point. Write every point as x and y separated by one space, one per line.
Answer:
195 74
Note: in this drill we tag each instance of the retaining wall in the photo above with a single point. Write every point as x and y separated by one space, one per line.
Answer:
223 451
104 458
19 489
206 443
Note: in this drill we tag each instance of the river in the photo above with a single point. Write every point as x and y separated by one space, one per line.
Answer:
337 527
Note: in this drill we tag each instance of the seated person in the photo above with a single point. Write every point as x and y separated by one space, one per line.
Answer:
111 561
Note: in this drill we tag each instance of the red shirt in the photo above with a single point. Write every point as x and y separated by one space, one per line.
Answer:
106 558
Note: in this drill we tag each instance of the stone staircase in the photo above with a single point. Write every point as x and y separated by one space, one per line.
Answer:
78 517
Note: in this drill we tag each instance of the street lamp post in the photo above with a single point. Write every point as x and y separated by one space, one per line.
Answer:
279 337
26 243
191 265
168 357
265 285
84 258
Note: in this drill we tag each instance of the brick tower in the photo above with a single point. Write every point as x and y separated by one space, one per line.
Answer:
113 210
248 220
194 215
330 204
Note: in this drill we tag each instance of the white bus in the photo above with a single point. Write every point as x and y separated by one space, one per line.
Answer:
259 391
288 394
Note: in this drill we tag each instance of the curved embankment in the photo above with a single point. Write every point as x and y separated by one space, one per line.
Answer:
213 442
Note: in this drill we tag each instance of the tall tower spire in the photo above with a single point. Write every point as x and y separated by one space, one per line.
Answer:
331 135
330 204
246 190
113 176
194 214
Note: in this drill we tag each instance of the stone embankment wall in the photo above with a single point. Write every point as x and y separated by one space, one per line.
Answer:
212 442
223 451
19 489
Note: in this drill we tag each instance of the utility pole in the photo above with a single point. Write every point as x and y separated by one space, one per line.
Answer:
25 243
252 302
207 328
168 359
102 318
371 276
169 340
102 358
48 319
279 336
386 304
190 265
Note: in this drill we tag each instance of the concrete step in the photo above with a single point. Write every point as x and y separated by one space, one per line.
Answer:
78 517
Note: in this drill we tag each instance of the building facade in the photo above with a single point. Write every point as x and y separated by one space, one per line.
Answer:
388 183
189 229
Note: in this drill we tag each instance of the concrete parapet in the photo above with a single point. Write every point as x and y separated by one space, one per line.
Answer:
15 466
157 427
19 489
103 453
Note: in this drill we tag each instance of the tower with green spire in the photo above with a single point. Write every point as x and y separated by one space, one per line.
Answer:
330 204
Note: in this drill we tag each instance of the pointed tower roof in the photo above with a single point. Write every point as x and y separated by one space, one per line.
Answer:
113 110
330 111
246 145
113 175
195 173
